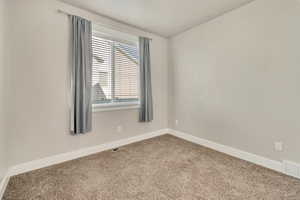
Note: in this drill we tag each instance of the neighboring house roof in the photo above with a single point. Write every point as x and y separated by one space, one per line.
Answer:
99 60
98 93
132 53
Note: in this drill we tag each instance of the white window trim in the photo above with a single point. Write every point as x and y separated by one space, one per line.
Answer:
115 106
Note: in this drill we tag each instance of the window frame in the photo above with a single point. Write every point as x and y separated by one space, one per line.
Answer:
128 39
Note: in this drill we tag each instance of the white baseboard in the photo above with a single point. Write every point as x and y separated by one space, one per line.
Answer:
48 161
3 184
291 168
259 160
256 159
45 162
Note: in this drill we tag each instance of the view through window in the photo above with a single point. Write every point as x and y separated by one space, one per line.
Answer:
114 72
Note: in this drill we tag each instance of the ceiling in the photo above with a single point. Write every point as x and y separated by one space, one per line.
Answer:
164 17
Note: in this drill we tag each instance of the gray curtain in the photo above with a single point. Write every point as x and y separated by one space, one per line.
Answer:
81 79
146 109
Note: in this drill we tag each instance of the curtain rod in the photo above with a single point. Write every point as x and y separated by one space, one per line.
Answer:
69 14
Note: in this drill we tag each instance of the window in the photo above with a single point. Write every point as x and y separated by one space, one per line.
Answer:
115 70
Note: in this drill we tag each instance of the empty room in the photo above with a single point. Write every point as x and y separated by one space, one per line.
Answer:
149 100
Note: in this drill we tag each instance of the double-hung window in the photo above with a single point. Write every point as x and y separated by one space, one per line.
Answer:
115 77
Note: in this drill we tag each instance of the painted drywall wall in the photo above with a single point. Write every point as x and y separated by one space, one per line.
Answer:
2 136
3 130
40 45
236 79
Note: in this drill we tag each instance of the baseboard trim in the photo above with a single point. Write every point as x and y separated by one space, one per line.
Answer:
52 160
3 184
243 155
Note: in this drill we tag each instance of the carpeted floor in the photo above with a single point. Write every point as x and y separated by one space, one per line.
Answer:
157 169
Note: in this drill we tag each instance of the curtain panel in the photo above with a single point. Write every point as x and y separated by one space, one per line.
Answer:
81 78
146 109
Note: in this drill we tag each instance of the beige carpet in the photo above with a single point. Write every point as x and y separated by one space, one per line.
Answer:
157 169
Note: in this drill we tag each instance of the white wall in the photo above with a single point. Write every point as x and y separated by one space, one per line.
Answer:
237 79
40 41
2 132
3 161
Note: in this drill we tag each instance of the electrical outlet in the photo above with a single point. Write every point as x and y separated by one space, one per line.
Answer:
176 122
119 129
278 146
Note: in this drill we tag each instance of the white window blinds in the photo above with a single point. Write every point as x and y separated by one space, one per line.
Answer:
115 72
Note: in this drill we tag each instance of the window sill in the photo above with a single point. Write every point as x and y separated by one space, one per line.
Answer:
105 108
